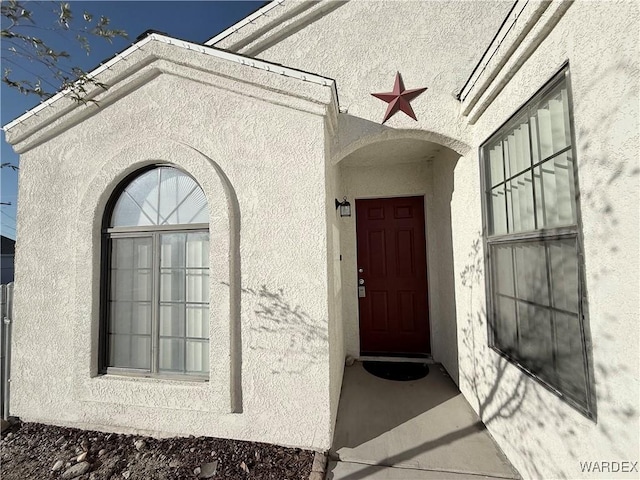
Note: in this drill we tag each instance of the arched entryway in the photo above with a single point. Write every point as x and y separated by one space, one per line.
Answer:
397 245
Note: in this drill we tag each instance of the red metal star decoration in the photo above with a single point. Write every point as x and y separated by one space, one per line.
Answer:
399 99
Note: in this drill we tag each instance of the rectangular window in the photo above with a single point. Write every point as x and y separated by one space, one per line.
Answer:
535 277
158 303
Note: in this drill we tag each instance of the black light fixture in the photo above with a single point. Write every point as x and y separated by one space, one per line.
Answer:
344 206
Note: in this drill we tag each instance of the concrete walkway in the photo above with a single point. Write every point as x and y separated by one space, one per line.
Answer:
417 430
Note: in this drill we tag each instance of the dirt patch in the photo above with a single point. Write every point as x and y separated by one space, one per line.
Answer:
33 450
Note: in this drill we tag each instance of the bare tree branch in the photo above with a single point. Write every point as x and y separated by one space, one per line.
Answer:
23 46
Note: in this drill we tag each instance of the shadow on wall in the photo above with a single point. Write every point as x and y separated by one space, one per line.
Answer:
498 399
285 330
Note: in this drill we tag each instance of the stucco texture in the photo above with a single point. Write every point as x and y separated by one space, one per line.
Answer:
268 322
541 435
272 155
362 45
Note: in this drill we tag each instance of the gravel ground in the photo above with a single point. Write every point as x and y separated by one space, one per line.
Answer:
36 451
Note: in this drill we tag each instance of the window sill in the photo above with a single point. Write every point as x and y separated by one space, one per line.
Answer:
140 375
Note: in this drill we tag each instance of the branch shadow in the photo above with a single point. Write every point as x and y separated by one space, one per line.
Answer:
413 452
300 342
370 406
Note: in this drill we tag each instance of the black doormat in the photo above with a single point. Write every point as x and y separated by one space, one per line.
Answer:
399 371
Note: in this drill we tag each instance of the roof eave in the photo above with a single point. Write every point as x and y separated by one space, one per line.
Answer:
208 50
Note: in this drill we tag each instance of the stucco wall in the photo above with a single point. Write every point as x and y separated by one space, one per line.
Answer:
269 351
541 435
362 45
335 292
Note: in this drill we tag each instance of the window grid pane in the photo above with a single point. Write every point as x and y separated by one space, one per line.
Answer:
555 192
535 283
184 291
536 322
539 192
162 196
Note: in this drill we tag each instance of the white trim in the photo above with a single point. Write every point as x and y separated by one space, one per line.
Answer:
105 66
252 62
500 37
214 52
381 358
245 21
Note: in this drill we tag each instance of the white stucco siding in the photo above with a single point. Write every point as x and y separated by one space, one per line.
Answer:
273 167
541 435
333 187
362 44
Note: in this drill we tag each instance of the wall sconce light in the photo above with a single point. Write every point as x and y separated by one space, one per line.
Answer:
344 206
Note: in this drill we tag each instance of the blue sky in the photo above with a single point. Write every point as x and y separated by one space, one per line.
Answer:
196 21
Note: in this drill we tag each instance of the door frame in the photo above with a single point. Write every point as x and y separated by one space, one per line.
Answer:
428 273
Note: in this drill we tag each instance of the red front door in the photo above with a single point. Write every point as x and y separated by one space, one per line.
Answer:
392 276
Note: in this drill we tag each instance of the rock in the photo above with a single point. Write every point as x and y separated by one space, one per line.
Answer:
76 470
319 462
174 463
102 452
4 425
192 449
82 457
196 471
208 470
57 466
139 444
126 474
244 467
349 361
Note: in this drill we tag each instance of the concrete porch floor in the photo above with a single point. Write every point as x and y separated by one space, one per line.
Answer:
422 429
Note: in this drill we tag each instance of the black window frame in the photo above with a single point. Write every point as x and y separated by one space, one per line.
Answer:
154 231
540 236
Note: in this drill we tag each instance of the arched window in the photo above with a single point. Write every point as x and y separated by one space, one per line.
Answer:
156 276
